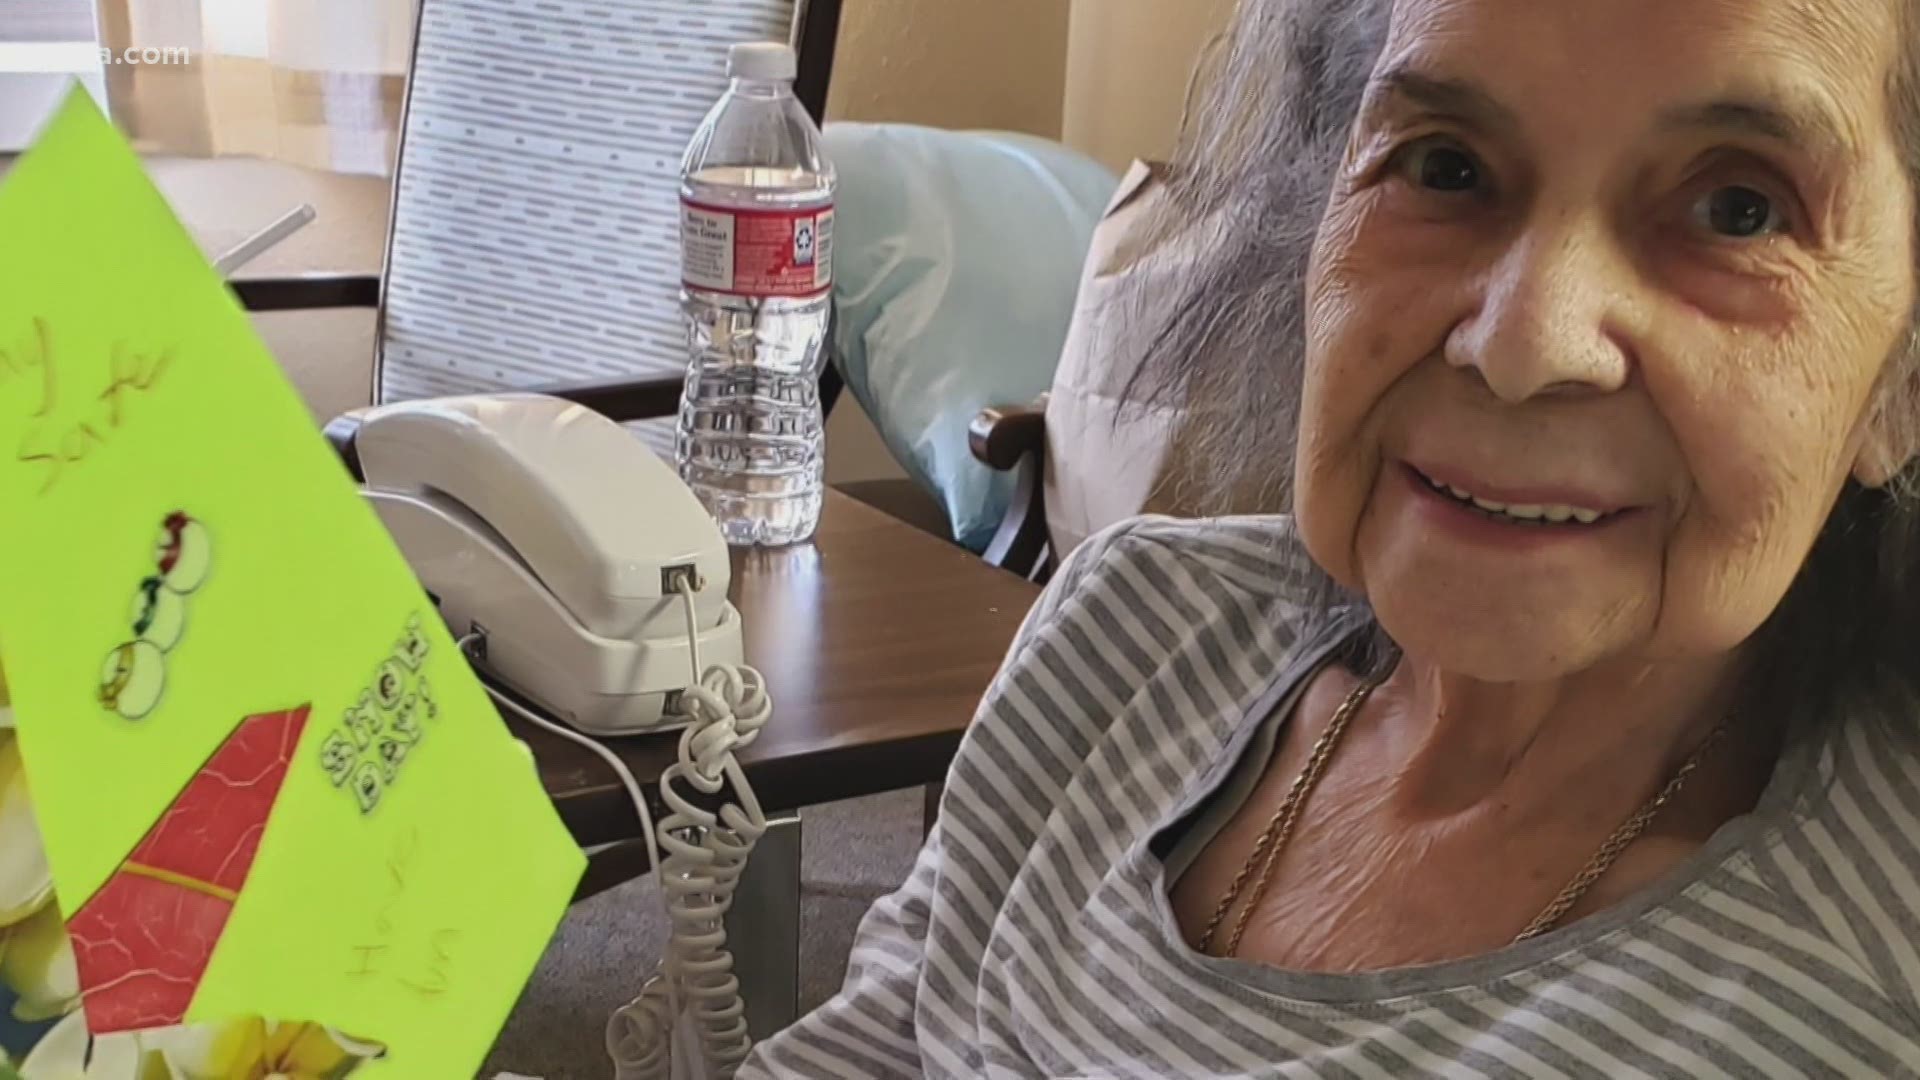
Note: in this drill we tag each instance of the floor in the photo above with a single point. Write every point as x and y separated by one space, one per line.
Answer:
854 852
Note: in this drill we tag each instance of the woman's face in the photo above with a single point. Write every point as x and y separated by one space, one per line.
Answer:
1595 317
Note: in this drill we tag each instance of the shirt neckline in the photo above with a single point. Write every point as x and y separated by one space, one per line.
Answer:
1728 848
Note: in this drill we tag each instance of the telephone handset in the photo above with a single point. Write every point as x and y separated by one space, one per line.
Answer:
556 535
583 574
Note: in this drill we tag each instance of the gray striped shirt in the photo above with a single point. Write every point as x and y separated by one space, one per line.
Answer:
1035 938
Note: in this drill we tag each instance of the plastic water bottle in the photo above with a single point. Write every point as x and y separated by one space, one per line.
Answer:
756 196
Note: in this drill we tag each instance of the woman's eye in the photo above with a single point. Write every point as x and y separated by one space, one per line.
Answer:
1439 167
1738 212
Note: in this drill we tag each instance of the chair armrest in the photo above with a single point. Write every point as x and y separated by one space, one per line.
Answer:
1001 437
1014 439
308 292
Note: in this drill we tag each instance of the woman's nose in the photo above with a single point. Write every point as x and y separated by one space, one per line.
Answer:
1546 323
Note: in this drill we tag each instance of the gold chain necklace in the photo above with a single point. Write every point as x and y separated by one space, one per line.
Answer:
1266 851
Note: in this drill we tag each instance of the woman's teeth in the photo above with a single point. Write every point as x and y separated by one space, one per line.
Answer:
1537 514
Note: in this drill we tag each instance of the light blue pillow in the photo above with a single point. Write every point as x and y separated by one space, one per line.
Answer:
957 258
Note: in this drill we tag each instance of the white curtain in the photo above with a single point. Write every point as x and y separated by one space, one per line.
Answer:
44 45
312 82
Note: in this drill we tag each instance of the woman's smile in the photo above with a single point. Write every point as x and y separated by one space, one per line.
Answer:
1536 519
1521 511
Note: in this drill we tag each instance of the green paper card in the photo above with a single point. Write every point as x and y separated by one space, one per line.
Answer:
268 784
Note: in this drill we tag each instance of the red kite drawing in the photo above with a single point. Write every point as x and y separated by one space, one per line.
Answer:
142 943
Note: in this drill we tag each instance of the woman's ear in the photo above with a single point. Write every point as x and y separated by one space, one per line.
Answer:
1877 464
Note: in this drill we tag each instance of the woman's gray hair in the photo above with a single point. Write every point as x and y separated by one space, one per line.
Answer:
1248 187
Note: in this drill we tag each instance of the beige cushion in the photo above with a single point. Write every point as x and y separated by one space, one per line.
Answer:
1105 461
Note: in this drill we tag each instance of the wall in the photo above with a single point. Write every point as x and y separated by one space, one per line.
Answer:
946 63
954 63
1128 65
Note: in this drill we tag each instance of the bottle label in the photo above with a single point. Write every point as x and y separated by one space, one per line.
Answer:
756 252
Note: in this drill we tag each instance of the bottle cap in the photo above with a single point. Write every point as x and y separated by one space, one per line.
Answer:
765 61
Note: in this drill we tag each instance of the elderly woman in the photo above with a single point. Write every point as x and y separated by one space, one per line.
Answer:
1570 725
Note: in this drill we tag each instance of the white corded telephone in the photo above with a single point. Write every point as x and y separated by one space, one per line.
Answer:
578 570
549 529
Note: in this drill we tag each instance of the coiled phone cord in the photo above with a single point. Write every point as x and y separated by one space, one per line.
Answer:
706 852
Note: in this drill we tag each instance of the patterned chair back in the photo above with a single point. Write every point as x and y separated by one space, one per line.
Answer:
535 233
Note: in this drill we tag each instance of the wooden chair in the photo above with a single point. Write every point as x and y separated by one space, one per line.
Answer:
1014 439
533 234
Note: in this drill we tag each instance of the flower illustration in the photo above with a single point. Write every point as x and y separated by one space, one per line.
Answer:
61 1055
250 1049
256 1049
26 883
69 1053
38 967
36 959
